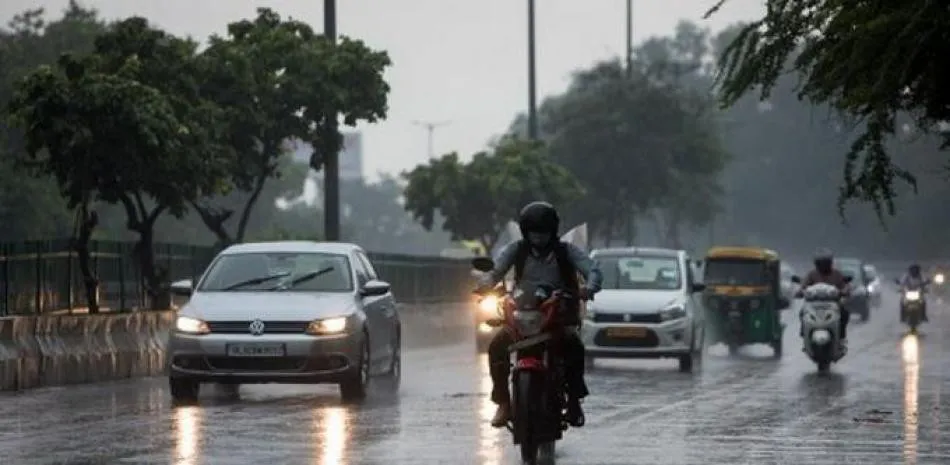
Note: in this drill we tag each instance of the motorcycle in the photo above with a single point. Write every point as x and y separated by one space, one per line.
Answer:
820 320
913 305
538 394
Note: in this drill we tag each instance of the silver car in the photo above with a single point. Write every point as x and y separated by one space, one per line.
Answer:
648 307
285 312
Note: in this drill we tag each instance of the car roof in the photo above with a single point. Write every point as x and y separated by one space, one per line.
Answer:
753 253
628 251
292 247
849 260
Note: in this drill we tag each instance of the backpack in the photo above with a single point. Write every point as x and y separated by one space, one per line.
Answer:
566 268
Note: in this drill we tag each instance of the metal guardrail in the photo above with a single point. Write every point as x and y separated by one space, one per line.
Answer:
43 276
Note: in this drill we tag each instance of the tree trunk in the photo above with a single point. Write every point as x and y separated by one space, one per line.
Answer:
214 220
87 222
609 230
248 207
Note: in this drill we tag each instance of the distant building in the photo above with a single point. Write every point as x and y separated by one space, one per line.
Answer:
351 157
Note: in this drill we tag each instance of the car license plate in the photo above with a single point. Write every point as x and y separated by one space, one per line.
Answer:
627 332
256 350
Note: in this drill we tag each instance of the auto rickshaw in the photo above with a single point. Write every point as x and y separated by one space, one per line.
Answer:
743 297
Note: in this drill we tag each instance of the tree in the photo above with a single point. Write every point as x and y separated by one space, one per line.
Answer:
870 61
478 199
100 127
271 77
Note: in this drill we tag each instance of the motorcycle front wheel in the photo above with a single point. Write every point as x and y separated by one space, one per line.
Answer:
525 413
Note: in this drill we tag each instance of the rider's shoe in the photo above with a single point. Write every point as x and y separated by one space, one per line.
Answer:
575 414
502 416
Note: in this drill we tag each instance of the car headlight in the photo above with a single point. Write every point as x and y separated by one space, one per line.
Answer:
939 278
327 326
912 295
488 304
673 313
189 325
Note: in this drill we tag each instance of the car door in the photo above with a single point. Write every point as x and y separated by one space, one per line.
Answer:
383 308
694 301
372 310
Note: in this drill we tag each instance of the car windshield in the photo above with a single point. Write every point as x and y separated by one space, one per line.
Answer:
735 272
282 272
641 272
870 272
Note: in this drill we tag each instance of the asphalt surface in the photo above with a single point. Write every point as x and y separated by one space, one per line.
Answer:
879 405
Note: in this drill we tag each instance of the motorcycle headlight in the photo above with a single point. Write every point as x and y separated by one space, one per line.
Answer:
488 304
327 326
912 295
673 313
189 325
939 278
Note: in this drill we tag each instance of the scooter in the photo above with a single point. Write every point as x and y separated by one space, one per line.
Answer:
821 330
913 306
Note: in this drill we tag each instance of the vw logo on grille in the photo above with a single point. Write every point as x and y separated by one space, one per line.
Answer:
627 317
256 327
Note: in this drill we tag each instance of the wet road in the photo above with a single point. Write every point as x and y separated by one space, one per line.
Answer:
880 405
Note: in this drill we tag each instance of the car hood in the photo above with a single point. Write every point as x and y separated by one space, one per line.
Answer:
269 306
633 301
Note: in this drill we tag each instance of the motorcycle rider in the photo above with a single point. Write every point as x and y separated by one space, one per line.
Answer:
542 258
825 272
914 279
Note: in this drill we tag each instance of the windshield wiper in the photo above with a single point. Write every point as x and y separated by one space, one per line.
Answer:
302 278
252 281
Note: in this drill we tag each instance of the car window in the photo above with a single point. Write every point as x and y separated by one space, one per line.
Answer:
361 274
641 272
870 272
282 271
849 268
368 265
690 274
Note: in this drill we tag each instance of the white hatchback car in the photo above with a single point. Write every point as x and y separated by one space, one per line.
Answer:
648 307
285 312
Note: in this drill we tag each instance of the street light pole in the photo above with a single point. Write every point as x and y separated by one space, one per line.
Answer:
532 84
629 37
430 127
331 163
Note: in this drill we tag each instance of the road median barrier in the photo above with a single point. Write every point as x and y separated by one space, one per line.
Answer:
56 350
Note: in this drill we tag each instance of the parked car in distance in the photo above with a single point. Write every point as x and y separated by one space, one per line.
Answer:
285 312
859 302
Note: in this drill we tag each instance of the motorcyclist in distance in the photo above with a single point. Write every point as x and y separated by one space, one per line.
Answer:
825 272
914 279
542 258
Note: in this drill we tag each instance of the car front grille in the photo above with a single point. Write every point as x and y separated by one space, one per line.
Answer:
649 340
257 363
270 327
627 318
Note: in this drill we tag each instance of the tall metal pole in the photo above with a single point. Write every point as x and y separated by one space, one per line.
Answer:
430 127
331 164
532 84
629 36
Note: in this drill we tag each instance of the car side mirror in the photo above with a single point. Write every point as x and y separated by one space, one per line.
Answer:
374 288
796 280
183 288
698 287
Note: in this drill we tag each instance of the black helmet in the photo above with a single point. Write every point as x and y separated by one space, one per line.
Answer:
914 269
538 217
824 260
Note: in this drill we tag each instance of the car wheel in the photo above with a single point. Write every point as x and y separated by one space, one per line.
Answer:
686 363
184 390
354 387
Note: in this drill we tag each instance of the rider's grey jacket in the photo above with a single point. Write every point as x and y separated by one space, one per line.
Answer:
910 282
544 270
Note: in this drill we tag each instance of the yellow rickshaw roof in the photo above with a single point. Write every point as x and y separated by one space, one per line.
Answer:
753 253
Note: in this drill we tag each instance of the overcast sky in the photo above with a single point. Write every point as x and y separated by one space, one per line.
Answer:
461 61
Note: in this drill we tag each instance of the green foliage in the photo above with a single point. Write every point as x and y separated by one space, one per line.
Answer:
274 78
478 198
871 61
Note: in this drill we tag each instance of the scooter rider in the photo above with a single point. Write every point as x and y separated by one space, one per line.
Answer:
914 279
541 257
825 272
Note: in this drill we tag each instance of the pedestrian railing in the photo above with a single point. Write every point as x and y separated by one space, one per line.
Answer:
44 276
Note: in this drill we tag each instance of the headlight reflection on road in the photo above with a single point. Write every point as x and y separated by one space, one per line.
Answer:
187 434
910 353
331 427
488 448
